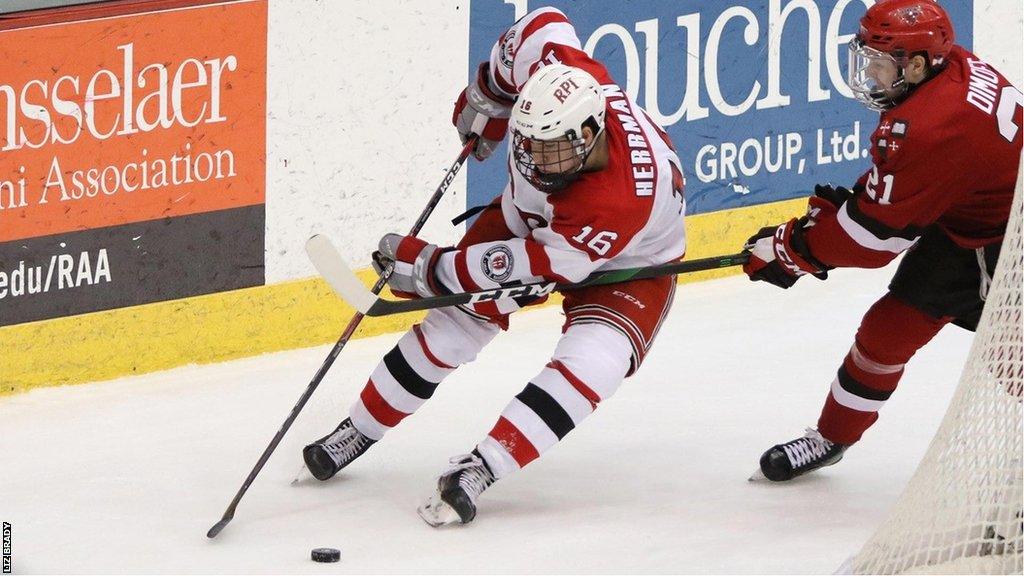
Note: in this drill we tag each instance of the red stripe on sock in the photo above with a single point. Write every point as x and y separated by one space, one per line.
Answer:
426 351
514 441
578 384
378 407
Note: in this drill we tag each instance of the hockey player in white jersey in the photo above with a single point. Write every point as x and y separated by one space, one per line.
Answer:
593 184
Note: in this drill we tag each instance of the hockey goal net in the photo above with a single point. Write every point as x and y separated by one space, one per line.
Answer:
961 511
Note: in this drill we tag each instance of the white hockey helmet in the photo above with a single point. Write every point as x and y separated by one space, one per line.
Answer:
547 125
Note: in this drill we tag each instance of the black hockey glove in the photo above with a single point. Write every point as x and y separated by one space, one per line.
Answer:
779 255
826 201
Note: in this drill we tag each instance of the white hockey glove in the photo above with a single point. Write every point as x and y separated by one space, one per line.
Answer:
481 111
414 261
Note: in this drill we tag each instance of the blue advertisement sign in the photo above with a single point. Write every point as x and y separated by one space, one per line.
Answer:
753 94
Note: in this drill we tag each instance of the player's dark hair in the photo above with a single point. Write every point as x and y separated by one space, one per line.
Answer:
930 69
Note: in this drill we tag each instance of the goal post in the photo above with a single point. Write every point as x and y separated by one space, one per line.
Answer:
961 511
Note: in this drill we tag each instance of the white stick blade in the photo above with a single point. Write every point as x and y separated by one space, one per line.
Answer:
335 270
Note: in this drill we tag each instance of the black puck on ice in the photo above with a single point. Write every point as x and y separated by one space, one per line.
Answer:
326 554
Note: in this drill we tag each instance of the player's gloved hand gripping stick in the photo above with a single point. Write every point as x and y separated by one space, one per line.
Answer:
468 149
346 285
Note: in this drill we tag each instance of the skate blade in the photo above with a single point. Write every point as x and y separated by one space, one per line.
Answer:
303 476
437 512
757 476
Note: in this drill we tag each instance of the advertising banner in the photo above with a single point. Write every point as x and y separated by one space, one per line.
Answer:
753 94
132 159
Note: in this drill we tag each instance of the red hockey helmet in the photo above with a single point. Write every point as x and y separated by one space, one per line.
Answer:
903 28
891 33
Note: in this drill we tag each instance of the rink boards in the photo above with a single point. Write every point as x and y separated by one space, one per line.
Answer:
154 200
239 323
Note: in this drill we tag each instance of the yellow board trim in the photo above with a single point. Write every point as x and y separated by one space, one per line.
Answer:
240 323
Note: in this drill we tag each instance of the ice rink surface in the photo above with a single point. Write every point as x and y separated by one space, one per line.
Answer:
128 475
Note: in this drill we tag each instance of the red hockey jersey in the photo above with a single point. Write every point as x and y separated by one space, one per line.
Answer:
948 155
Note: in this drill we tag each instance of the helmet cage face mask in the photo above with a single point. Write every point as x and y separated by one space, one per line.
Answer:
551 165
548 122
865 86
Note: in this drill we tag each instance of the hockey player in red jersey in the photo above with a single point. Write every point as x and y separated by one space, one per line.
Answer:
593 184
945 159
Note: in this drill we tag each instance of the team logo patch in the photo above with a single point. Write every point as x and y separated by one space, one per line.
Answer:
886 147
497 263
507 50
911 14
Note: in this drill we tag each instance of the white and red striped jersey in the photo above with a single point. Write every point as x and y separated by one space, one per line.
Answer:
627 215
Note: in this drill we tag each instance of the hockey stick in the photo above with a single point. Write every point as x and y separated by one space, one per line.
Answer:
346 335
343 281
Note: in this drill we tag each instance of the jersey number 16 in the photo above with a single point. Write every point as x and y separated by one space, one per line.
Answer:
601 243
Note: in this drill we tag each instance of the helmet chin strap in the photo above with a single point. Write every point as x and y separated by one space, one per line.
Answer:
888 99
551 183
901 88
905 89
897 92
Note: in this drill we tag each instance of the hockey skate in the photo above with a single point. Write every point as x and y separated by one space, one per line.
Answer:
325 457
809 452
457 491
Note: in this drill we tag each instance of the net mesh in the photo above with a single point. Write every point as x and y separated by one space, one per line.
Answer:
961 511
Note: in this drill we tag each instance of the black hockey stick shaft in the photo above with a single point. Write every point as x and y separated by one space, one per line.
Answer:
339 345
384 307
